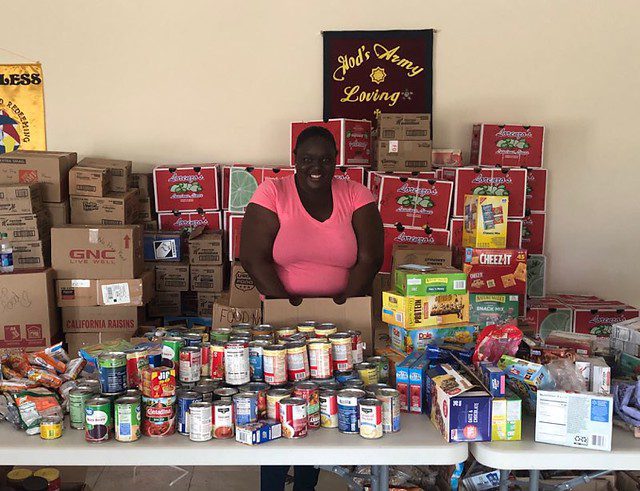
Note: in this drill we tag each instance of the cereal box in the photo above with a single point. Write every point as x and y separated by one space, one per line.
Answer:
533 226
485 221
417 339
536 189
497 308
399 234
402 378
187 221
187 188
446 157
243 182
514 233
350 173
507 145
419 280
496 270
433 310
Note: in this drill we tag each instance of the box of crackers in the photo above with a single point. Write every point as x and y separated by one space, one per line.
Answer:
496 270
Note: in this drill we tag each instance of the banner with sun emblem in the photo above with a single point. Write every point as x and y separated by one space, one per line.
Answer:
22 124
367 72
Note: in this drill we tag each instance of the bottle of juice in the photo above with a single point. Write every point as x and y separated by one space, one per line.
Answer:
6 254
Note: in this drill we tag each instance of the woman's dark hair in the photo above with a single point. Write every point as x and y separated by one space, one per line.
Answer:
315 132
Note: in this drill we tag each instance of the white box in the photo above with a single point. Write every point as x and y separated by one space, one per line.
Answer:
600 376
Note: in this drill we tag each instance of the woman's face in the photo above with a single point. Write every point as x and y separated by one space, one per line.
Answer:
315 163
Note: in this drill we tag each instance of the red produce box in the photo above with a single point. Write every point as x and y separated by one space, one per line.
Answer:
536 189
186 188
398 234
507 145
514 233
572 299
549 314
243 182
429 174
235 232
412 202
353 139
187 221
446 158
598 318
496 270
489 181
352 173
226 214
533 226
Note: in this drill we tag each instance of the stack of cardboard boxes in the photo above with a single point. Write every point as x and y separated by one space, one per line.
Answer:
403 142
147 216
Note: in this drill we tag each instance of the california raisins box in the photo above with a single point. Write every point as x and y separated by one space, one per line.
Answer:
507 145
533 227
241 180
536 198
186 188
398 234
412 202
496 270
187 221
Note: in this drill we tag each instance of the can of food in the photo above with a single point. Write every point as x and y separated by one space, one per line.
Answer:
133 393
240 337
205 359
390 399
52 477
190 364
310 392
342 355
264 337
245 408
223 426
297 361
274 362
372 389
328 408
242 327
77 398
98 419
236 363
127 416
224 393
216 361
159 416
260 390
357 347
219 335
200 422
342 377
348 413
274 396
50 427
137 359
368 372
354 383
320 358
192 339
326 329
370 415
255 359
91 384
263 330
308 328
283 332
184 400
328 384
112 368
158 382
206 391
293 417
382 362
171 346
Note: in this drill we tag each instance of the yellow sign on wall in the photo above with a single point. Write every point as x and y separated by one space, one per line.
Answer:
22 123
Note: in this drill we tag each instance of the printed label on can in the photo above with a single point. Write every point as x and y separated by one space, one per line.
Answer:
328 410
255 362
127 422
201 423
223 426
371 420
297 364
320 360
342 355
190 363
348 414
236 364
275 367
294 420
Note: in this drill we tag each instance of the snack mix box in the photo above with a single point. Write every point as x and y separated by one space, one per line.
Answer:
485 221
418 280
514 233
410 340
496 270
507 144
410 312
496 308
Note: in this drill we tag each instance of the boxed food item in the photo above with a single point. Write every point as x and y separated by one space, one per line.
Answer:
225 315
410 312
494 308
417 280
580 420
549 314
150 226
235 234
243 182
101 319
514 233
165 304
26 227
536 275
353 173
207 278
80 251
426 255
77 341
119 172
446 157
506 418
186 188
536 197
163 246
598 318
404 126
143 182
259 432
403 383
582 344
188 221
58 212
412 236
485 221
205 249
496 270
20 199
145 209
416 339
533 228
418 385
89 181
29 318
113 209
402 155
48 168
242 289
625 336
507 144
525 379
172 277
352 136
31 255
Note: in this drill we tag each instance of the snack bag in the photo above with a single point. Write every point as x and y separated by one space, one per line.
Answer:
33 404
495 341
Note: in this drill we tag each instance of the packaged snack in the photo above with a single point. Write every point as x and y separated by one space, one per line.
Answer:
33 404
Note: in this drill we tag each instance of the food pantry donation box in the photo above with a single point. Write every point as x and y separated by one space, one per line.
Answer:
355 313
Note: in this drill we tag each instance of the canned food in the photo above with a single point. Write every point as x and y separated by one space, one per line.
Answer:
342 355
224 393
245 405
357 351
308 328
192 339
293 417
236 363
190 364
171 346
274 359
242 326
354 383
274 396
255 359
133 393
216 363
342 377
159 416
348 413
263 337
158 382
137 359
187 385
127 419
310 393
328 384
50 427
220 335
205 391
91 384
368 372
77 398
297 361
382 362
263 330
320 358
52 477
283 332
184 399
205 359
223 426
200 422
390 399
240 337
112 368
372 389
325 329
98 419
328 408
260 390
370 418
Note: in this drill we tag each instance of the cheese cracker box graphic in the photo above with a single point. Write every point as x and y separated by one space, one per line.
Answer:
496 270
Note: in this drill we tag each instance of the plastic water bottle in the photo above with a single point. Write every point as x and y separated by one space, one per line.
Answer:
6 254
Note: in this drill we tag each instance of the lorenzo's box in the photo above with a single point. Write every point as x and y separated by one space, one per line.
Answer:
510 144
417 339
536 275
188 188
486 309
119 172
410 312
162 246
205 249
172 277
20 199
89 181
485 221
188 221
417 280
113 209
100 319
549 314
496 270
580 420
235 234
412 236
533 229
536 189
353 173
402 155
404 126
450 157
243 181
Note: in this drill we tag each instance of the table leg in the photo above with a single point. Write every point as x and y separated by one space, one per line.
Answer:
383 478
534 479
504 480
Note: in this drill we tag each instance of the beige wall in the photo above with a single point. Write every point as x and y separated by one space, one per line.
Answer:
166 81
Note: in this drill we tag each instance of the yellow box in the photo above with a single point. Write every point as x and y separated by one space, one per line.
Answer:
411 312
485 221
506 418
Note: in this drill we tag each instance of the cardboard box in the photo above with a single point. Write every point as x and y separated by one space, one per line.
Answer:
403 383
163 246
143 182
525 379
508 145
557 414
113 209
548 314
243 181
411 312
496 308
20 199
235 234
242 290
29 318
450 157
536 197
89 181
101 319
145 209
48 168
186 188
90 293
205 249
514 233
31 227
150 226
407 175
496 270
165 303
119 172
188 221
205 303
189 303
355 313
506 418
597 319
402 155
104 252
172 277
32 255
415 127
418 385
381 282
417 280
79 340
352 136
533 229
413 237
352 173
207 279
426 255
416 339
485 221
536 275
225 315
77 293
58 212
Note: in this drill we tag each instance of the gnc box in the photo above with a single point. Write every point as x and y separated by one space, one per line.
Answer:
242 290
187 188
411 312
113 209
243 181
485 221
411 236
187 221
533 227
88 293
401 155
172 277
207 278
119 172
510 144
224 315
26 227
97 252
48 168
417 280
404 126
89 181
205 249
101 319
514 233
496 270
20 199
350 174
352 136
29 318
58 212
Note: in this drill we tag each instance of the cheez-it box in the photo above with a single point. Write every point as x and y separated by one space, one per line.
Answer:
507 144
496 270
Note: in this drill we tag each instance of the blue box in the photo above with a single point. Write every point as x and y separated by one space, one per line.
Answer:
417 384
495 380
162 246
259 432
402 378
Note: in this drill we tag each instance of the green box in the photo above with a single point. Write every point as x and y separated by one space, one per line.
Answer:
419 281
490 308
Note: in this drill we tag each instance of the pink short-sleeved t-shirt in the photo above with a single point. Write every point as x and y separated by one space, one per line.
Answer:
313 258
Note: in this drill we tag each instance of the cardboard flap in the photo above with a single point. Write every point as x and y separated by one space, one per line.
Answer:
452 382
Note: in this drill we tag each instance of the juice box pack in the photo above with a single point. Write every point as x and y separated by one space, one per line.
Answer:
493 308
536 198
507 144
399 234
506 418
240 182
533 227
496 270
410 312
186 188
418 280
485 221
417 339
187 221
514 233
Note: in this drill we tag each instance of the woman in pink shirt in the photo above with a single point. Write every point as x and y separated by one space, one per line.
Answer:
310 235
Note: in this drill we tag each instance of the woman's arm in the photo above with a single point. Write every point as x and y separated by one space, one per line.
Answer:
259 229
367 226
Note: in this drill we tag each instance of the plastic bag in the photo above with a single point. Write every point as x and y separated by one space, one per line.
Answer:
33 404
564 375
495 341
